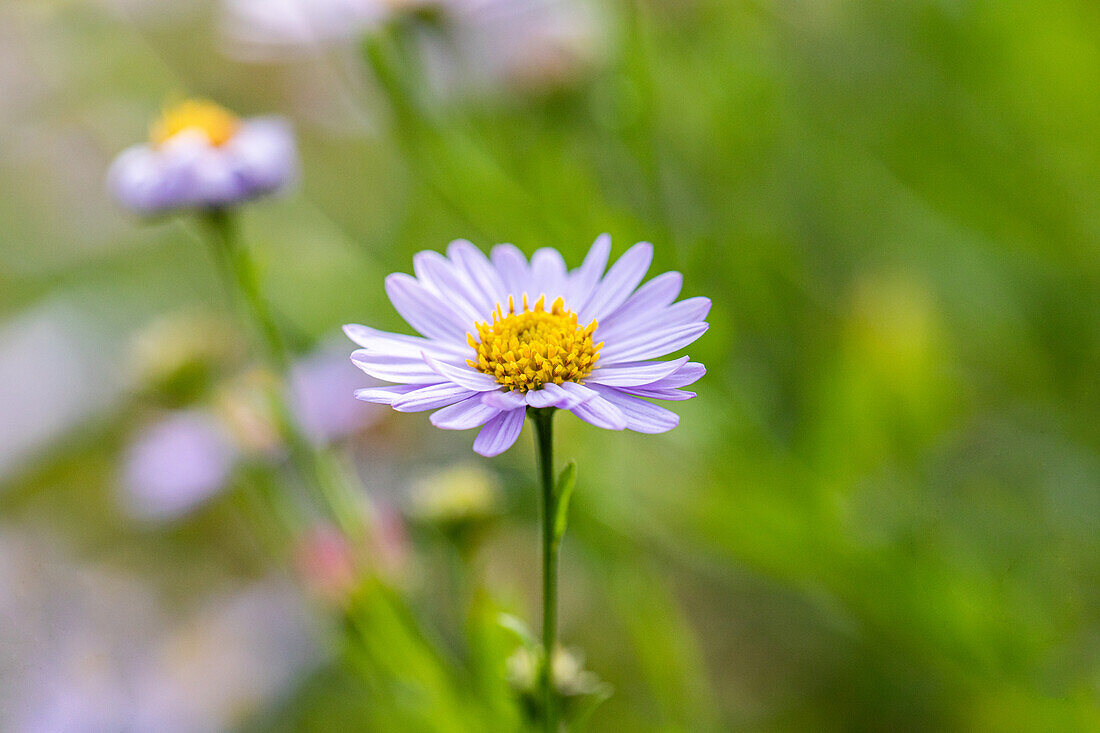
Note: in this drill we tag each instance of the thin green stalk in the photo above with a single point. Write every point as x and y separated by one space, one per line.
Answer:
318 465
242 273
544 439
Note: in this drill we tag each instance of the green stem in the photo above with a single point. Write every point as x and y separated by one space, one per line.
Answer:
544 437
242 274
320 465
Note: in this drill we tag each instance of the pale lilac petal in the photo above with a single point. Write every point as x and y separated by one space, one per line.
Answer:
578 392
541 398
384 395
467 377
395 368
423 310
635 374
504 400
432 397
686 313
512 266
601 413
547 274
651 297
544 398
584 279
263 154
689 373
150 180
202 175
500 433
651 345
437 273
479 272
619 282
674 395
137 180
641 416
375 342
553 395
468 413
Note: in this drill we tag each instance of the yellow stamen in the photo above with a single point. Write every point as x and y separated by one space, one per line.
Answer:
525 350
217 123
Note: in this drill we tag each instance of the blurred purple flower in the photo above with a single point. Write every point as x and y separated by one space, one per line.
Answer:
532 45
319 389
187 457
176 464
261 29
202 157
465 45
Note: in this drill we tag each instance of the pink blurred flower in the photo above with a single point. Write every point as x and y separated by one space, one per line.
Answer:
327 564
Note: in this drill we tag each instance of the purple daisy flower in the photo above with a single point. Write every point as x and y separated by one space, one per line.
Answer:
202 157
502 334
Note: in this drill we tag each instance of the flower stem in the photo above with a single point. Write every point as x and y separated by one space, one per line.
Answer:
242 275
544 437
316 464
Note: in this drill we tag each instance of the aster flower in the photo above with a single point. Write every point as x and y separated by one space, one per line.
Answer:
504 334
201 156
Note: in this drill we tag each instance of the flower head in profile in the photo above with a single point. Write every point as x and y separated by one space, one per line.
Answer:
200 156
501 334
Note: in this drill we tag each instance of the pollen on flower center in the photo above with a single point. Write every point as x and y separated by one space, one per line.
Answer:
525 350
217 123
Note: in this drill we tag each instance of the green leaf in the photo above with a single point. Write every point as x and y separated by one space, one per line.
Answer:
562 494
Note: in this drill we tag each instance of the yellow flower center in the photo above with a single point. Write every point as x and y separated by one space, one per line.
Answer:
217 123
526 350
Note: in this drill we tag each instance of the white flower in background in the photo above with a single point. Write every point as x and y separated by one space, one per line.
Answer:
481 45
275 29
463 45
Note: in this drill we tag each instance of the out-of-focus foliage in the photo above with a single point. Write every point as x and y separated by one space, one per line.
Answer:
883 510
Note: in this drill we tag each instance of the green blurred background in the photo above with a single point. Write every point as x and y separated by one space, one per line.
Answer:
882 512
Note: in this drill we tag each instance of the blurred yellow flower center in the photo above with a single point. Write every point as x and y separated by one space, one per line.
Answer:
526 350
217 123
